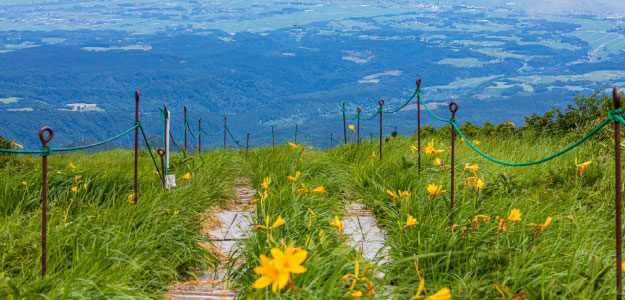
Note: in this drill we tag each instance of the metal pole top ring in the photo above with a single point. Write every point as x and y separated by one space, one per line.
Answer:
45 140
137 95
418 83
381 102
453 107
161 152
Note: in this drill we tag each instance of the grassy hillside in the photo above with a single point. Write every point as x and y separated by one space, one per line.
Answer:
102 246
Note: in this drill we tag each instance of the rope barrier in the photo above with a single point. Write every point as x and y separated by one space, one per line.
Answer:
48 151
379 110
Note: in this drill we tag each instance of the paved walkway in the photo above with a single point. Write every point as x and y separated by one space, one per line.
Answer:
225 229
365 235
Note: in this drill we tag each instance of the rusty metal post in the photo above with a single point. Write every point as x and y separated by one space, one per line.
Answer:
453 107
344 129
185 128
247 145
44 197
136 144
419 124
616 96
273 138
161 153
166 134
358 126
225 124
371 136
199 134
381 102
295 133
331 138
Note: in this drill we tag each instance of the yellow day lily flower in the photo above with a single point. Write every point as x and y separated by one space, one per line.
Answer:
623 266
540 227
473 168
293 179
357 276
338 224
438 162
442 294
479 183
477 218
403 194
582 166
413 148
270 275
319 189
293 146
15 145
476 142
302 190
351 127
312 216
131 197
434 190
85 186
373 156
409 222
187 176
266 182
74 188
291 259
24 182
176 212
279 222
390 193
429 149
515 215
511 124
71 165
356 294
76 177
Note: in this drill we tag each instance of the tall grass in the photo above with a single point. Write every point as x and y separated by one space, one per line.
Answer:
99 244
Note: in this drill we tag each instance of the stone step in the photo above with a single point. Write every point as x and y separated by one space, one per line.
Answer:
205 296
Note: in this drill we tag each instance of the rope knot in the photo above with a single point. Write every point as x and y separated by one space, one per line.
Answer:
614 114
46 151
138 123
451 120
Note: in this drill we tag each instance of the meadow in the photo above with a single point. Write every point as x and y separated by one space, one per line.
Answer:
539 232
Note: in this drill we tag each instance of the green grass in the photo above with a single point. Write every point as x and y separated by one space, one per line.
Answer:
103 247
100 245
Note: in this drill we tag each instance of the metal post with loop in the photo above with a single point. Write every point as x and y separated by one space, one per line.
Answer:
225 124
344 129
136 145
358 126
616 96
453 107
199 134
381 102
247 145
161 153
44 195
185 128
419 124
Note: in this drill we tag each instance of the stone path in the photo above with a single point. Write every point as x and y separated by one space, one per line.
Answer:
225 229
364 233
